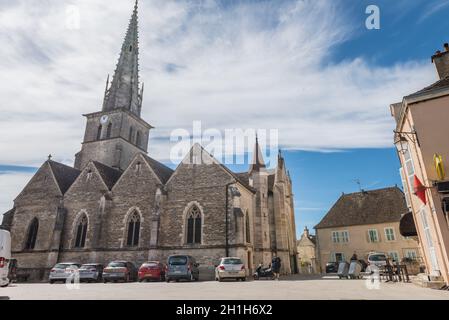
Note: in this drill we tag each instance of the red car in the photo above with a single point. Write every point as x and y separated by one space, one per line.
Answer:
152 270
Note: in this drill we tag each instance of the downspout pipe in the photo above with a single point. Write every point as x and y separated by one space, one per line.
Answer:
227 218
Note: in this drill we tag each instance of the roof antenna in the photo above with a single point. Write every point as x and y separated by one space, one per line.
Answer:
359 184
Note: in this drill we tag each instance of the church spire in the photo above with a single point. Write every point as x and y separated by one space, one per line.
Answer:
258 163
124 90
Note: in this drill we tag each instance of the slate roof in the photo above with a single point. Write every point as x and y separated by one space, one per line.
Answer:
440 84
368 207
108 174
64 175
162 171
243 178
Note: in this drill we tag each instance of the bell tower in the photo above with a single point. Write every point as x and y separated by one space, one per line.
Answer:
117 133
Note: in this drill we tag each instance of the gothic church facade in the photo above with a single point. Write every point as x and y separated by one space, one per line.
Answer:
117 203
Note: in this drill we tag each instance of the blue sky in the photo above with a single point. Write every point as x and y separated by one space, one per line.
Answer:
307 68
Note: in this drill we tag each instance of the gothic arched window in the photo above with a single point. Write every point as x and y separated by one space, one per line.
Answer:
248 229
100 127
131 134
133 230
109 131
194 226
32 234
138 139
81 232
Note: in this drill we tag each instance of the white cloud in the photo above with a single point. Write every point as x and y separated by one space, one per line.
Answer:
249 65
11 183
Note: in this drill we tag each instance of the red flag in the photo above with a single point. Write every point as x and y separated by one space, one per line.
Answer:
420 190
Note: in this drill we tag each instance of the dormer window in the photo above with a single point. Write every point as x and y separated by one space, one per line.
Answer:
138 166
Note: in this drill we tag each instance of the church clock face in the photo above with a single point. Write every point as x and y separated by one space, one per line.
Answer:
104 119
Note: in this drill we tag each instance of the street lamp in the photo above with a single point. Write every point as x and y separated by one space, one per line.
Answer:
401 144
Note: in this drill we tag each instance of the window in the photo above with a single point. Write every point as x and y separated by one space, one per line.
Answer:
138 138
409 169
133 230
100 127
340 236
109 130
394 256
389 234
405 187
81 232
194 226
131 134
411 254
335 237
373 236
32 234
248 229
344 236
130 48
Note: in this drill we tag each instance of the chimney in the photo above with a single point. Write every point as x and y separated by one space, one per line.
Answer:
441 61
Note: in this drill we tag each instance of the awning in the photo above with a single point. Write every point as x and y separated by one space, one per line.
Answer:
407 226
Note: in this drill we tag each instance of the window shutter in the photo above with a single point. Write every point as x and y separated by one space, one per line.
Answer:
368 238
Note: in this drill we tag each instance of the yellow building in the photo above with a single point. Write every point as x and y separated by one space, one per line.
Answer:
421 137
365 222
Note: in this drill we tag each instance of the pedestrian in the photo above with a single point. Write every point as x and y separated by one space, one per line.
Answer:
276 266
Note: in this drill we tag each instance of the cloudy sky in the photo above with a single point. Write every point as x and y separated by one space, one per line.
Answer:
310 69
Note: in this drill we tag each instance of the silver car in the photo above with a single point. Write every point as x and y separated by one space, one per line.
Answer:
230 268
63 271
91 272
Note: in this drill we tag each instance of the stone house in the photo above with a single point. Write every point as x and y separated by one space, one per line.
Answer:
307 257
364 222
119 203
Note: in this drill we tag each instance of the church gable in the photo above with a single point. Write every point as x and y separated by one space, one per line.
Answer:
199 168
138 177
90 181
42 186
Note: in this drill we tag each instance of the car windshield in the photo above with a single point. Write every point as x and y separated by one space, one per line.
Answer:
178 261
117 265
378 257
232 261
88 266
63 266
150 264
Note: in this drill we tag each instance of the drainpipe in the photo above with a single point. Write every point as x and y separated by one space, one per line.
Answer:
227 218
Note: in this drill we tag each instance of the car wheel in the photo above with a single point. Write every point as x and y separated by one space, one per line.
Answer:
255 277
220 279
51 282
167 280
243 279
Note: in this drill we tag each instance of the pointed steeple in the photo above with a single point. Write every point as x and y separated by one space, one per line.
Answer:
124 91
257 163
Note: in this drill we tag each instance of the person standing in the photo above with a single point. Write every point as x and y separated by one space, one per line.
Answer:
276 267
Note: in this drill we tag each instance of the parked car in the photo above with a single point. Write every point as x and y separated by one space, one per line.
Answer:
120 270
152 270
90 272
62 271
182 267
230 268
5 256
332 267
377 259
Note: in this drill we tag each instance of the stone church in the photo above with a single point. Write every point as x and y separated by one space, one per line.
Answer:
118 203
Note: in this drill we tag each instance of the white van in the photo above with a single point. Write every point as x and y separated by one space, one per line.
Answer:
5 256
